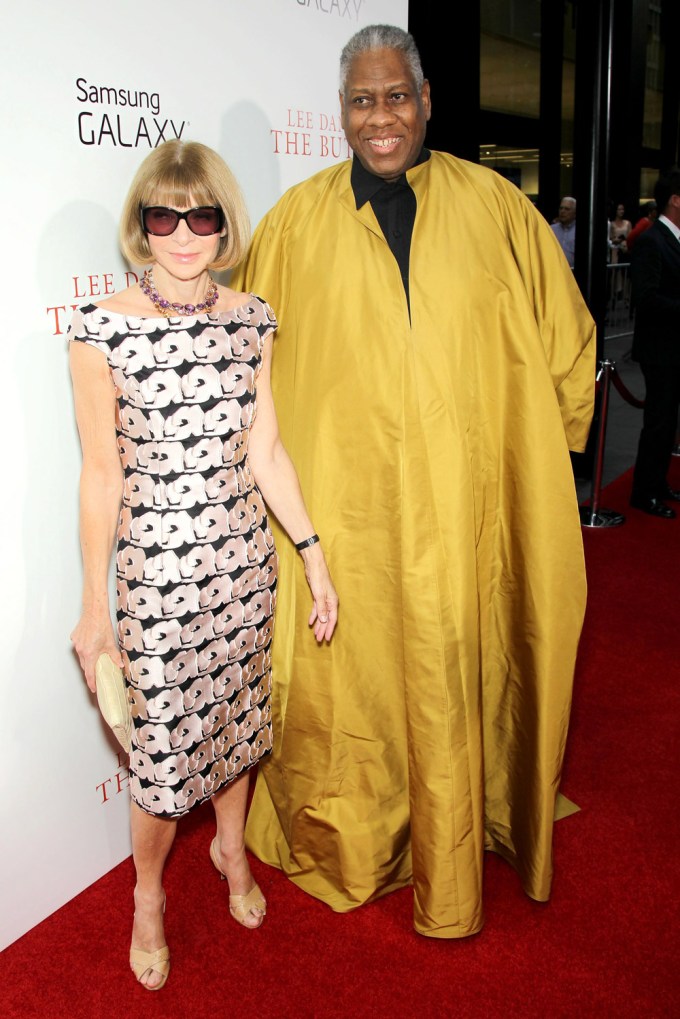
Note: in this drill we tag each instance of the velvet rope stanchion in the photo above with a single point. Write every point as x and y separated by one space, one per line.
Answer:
591 514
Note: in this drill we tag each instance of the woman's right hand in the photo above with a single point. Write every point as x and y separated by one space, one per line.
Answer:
93 636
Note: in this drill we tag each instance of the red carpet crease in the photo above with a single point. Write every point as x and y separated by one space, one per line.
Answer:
606 945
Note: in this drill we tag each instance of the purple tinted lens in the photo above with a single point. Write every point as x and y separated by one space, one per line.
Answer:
161 221
205 220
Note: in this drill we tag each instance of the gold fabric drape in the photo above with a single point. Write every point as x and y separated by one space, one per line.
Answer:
433 459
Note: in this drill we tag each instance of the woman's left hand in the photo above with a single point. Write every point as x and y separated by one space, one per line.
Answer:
324 614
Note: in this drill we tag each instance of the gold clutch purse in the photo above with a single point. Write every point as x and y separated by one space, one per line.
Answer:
113 701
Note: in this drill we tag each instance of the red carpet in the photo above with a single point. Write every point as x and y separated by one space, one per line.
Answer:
605 946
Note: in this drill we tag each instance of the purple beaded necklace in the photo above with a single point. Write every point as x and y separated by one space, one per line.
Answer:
169 309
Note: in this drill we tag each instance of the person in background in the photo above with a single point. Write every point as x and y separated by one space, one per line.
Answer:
434 363
655 279
565 228
181 449
619 228
649 214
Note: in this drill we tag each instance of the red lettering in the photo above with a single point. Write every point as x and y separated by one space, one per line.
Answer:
102 786
329 123
122 779
297 143
95 281
277 138
57 308
292 143
130 278
333 145
299 118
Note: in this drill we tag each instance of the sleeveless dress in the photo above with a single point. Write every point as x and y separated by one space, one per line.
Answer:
195 561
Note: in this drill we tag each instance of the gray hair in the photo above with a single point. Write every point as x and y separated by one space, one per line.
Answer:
381 37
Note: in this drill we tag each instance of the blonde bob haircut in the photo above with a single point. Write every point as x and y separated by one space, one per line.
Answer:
182 174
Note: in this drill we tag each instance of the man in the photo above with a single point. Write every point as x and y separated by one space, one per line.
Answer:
649 214
432 349
565 228
655 282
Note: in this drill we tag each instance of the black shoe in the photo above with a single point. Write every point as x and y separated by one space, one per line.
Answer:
672 493
655 507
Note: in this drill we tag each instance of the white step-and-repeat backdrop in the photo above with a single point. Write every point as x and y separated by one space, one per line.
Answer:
88 90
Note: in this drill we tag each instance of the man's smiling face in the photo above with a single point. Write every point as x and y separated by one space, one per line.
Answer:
384 115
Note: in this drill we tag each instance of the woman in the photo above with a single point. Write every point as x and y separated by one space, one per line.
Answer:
619 228
181 450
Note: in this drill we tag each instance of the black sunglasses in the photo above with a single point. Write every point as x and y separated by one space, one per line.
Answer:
161 221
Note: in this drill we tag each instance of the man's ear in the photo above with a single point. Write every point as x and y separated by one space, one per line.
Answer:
425 99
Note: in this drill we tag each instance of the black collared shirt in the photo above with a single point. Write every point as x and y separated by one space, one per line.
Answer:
394 205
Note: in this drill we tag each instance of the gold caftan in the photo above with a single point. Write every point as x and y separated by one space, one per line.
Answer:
433 459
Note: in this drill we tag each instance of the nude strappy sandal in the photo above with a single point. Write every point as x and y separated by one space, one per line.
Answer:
141 962
241 905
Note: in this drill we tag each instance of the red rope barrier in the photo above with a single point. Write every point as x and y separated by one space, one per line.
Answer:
624 392
620 387
592 515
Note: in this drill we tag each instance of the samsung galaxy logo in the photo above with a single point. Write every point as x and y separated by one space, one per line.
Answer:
341 8
128 129
107 95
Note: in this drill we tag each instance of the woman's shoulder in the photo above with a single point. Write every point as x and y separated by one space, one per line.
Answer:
98 324
85 323
247 303
268 313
